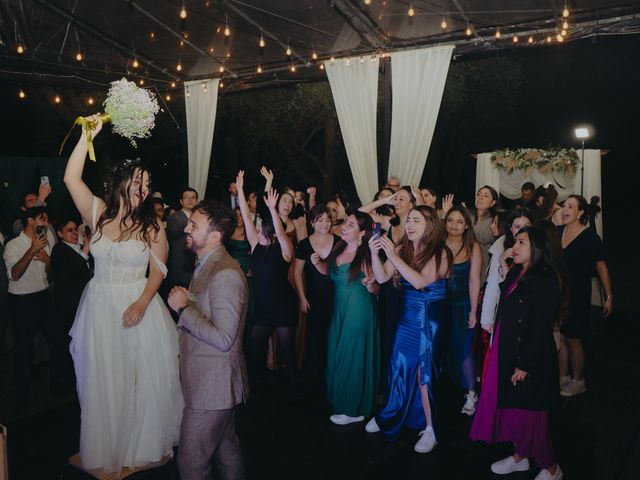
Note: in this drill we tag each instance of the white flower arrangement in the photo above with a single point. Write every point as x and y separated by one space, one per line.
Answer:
132 110
556 160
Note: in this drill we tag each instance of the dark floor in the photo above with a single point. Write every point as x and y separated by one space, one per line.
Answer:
596 435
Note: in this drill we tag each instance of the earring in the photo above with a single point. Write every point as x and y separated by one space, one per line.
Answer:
359 241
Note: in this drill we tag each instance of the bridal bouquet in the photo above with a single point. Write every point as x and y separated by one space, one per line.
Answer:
130 109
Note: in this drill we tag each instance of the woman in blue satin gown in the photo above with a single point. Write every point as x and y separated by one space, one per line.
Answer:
423 263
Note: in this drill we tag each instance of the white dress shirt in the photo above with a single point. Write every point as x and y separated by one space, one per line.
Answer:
34 278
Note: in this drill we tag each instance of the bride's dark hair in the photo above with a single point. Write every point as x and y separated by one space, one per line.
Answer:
116 187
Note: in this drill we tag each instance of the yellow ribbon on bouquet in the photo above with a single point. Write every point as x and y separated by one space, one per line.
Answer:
87 126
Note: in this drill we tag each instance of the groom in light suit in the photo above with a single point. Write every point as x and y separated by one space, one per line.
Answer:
212 365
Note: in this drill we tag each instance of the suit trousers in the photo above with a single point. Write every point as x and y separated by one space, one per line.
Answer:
207 435
30 313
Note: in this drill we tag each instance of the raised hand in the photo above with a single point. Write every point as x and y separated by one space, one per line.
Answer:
311 191
44 191
95 123
391 200
389 249
240 180
447 202
375 245
271 198
266 173
38 242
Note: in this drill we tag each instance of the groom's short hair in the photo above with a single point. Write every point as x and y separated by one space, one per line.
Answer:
219 216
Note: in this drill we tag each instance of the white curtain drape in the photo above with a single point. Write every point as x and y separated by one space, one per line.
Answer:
354 86
201 101
509 184
418 79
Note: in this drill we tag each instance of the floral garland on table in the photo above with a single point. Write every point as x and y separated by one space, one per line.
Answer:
555 160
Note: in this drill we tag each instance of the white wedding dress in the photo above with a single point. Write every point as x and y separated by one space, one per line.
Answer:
127 378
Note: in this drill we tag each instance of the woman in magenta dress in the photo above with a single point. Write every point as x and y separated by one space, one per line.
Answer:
521 385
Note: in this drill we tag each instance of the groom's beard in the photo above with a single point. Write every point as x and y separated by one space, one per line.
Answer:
194 245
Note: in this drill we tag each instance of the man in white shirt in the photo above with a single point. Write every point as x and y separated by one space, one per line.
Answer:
27 259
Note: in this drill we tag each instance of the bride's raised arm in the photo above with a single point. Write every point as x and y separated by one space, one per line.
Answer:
82 196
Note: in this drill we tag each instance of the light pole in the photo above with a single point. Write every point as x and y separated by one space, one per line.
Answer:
582 133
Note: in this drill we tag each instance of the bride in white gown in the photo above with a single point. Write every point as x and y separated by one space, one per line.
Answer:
124 342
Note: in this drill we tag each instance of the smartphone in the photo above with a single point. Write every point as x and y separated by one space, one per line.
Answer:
41 231
44 180
377 229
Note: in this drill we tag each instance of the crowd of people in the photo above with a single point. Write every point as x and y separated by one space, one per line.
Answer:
371 305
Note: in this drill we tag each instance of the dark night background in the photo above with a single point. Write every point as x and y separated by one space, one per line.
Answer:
529 97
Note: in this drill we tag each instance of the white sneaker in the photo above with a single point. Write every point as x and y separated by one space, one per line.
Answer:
564 381
345 419
547 475
427 441
469 407
575 387
509 464
372 426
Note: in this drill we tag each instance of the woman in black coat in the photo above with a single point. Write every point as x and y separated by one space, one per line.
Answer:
521 385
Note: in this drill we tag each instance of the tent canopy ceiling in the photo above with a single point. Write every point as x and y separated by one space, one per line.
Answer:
111 34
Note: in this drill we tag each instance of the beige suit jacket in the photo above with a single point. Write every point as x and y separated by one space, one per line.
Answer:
212 364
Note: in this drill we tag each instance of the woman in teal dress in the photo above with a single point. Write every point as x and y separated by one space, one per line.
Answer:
423 262
463 292
353 340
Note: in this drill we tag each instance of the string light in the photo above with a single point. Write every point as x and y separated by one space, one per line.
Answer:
322 66
183 12
21 94
211 50
227 31
221 69
221 84
261 42
293 68
168 98
173 84
560 38
444 23
314 56
565 25
367 2
57 99
515 39
563 33
79 56
549 39
90 101
20 49
411 11
152 35
141 82
565 12
182 43
259 69
135 63
530 40
288 50
498 34
468 31
179 66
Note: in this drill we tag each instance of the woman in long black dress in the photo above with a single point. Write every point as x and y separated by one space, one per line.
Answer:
315 293
583 254
274 298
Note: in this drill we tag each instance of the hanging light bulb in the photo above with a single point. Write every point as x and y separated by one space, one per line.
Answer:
221 69
90 101
183 12
565 25
314 56
227 31
288 50
322 66
443 25
79 56
259 69
563 33
211 50
21 94
173 84
367 2
221 84
293 68
182 43
141 82
261 42
57 99
530 40
565 12
152 35
498 34
168 98
135 63
179 66
333 59
515 39
411 11
560 38
549 39
20 49
468 31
